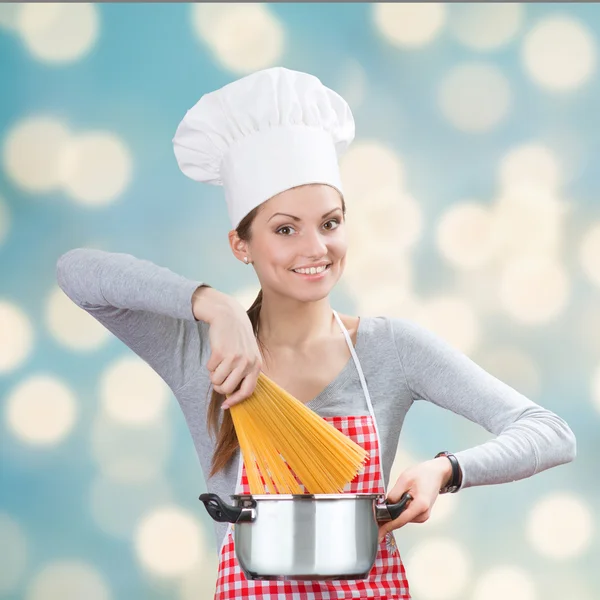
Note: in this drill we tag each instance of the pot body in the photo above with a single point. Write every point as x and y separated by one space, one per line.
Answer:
307 537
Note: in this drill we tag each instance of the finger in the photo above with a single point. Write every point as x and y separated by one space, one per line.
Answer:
415 508
243 393
232 381
214 361
388 527
233 384
220 372
424 516
383 531
403 484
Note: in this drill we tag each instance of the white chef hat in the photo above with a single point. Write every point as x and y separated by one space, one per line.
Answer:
262 134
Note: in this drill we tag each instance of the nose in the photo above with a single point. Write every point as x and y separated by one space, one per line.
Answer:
314 245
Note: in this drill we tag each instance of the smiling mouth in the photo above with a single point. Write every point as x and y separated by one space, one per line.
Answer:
327 268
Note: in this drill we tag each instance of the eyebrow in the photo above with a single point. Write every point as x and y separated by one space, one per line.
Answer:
299 219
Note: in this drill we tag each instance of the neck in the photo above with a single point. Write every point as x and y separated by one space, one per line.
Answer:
288 323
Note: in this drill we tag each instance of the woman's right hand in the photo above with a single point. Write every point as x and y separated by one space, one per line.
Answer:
235 360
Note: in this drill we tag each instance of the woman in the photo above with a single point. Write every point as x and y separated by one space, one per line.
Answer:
273 140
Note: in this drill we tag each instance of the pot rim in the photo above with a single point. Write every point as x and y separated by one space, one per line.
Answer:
305 497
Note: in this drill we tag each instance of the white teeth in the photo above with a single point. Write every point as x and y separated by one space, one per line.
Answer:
311 271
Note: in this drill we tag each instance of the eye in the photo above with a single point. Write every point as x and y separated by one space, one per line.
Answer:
336 221
284 227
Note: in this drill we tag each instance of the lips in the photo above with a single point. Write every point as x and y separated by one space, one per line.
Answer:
313 266
313 275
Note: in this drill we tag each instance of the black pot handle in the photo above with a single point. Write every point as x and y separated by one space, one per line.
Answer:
219 510
389 512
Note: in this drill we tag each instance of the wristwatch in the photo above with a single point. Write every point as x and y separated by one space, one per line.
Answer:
456 478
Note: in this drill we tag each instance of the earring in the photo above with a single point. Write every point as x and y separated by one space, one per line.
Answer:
246 259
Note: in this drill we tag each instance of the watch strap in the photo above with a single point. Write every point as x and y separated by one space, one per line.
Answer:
454 482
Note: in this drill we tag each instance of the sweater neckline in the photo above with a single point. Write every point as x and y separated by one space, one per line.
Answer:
342 377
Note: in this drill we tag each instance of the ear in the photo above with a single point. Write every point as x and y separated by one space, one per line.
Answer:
238 247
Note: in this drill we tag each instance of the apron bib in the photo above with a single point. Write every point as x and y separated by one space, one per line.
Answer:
386 580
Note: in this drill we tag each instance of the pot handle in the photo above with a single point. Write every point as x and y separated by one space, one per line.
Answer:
389 512
225 513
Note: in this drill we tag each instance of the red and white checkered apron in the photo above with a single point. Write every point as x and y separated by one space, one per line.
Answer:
387 578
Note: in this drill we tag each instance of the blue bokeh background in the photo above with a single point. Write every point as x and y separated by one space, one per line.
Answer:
146 66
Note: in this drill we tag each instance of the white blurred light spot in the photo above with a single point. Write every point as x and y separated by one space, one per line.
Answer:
528 222
379 276
31 152
466 235
503 582
132 393
486 26
116 506
474 97
515 368
589 254
168 541
95 168
130 454
387 298
446 559
68 580
57 32
480 288
16 337
534 290
41 410
445 506
560 526
243 37
559 53
409 24
407 307
367 166
13 554
200 581
531 164
387 214
587 326
71 325
452 319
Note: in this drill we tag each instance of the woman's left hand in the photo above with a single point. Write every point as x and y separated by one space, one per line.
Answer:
423 481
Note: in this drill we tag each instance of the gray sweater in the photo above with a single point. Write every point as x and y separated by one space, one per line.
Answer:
149 308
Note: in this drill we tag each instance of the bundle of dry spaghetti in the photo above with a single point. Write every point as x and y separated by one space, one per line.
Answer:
287 446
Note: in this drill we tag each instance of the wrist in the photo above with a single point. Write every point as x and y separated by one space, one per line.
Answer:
208 303
454 482
444 468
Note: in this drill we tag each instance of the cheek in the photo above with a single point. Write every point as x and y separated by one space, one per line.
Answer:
270 249
339 248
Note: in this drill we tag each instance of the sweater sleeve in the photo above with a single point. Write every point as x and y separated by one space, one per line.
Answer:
529 438
147 307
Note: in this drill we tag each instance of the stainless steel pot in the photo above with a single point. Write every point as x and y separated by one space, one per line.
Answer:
305 537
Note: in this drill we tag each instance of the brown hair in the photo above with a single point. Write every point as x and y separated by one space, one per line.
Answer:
227 442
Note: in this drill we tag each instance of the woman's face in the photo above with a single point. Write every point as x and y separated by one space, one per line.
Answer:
301 227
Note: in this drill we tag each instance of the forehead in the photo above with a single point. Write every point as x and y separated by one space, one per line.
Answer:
306 201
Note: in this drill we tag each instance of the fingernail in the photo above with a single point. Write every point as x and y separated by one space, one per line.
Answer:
224 406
